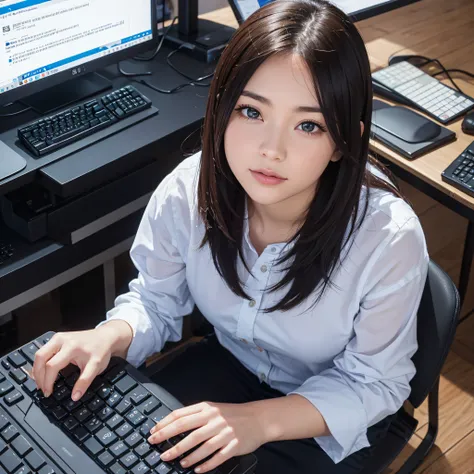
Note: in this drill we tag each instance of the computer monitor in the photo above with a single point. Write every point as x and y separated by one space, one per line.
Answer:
61 43
356 9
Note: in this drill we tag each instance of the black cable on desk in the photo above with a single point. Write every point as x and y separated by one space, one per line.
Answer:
18 112
397 58
186 76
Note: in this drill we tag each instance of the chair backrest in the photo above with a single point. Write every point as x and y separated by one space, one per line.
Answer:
437 321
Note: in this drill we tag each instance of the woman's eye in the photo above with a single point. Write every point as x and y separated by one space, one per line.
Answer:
309 127
250 113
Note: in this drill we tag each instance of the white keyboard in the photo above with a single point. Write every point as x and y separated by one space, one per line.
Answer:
424 92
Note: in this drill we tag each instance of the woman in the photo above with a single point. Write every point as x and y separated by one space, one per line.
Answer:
298 251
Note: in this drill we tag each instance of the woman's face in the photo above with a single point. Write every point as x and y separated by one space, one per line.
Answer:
277 128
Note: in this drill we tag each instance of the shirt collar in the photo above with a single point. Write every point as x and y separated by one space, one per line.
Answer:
274 249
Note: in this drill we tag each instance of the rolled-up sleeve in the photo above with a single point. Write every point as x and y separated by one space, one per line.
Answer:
370 379
159 297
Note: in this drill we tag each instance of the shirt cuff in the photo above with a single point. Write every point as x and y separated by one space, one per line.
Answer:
142 340
344 416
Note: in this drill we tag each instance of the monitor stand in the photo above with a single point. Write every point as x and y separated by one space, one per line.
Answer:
56 97
205 39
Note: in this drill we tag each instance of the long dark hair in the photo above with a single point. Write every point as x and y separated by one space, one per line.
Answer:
337 59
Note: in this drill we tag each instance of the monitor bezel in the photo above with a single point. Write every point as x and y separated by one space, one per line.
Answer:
15 95
359 15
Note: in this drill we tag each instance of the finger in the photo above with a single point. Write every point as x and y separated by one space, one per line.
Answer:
52 368
87 376
181 425
176 414
42 356
194 439
219 458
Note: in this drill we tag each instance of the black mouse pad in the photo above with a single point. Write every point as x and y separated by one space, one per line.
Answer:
406 131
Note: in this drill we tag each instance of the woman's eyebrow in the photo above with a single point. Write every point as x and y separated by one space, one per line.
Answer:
264 100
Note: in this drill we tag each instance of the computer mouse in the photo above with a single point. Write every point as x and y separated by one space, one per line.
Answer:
468 124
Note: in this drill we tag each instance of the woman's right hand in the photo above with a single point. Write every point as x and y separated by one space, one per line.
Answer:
89 350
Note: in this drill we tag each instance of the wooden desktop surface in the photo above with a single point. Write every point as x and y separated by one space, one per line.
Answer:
435 28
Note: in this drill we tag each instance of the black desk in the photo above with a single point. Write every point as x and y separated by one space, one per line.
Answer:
139 156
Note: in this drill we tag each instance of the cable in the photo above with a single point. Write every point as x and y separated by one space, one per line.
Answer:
460 71
158 48
164 91
172 66
397 58
18 112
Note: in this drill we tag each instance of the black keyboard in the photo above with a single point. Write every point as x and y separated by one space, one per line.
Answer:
57 131
6 252
460 173
104 432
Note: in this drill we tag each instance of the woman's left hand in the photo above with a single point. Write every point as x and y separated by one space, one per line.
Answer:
222 429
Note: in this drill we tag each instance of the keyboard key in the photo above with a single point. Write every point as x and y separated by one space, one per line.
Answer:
149 406
104 391
124 406
6 364
159 414
115 421
106 437
22 470
117 469
134 439
30 387
125 384
106 459
129 460
96 404
5 387
46 470
141 468
146 427
35 461
138 395
82 414
21 446
124 430
70 423
114 399
29 351
93 425
9 433
10 461
71 405
16 359
142 449
105 413
3 421
153 459
18 375
59 412
13 398
163 468
135 417
62 393
93 446
118 449
81 433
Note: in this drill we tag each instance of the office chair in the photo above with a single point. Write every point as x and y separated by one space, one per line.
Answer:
437 321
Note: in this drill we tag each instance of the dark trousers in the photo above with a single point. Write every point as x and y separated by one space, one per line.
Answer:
208 372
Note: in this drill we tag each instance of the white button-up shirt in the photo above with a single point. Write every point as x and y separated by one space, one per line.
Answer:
349 355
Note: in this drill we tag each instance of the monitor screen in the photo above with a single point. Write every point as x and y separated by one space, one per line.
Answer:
42 38
357 9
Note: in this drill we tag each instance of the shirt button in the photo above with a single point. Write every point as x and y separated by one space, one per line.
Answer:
262 376
273 249
252 303
263 268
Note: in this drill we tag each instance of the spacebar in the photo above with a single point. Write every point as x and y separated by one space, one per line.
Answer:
74 138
